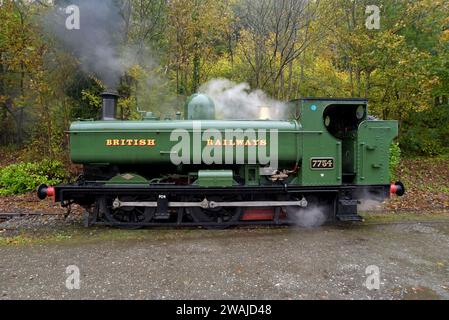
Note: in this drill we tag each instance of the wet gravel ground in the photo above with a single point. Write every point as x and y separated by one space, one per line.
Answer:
264 263
38 223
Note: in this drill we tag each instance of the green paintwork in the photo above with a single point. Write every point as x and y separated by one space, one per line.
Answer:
215 178
317 142
252 175
127 178
88 139
360 152
327 147
373 151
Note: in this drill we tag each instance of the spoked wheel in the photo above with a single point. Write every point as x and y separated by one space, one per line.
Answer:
126 217
220 216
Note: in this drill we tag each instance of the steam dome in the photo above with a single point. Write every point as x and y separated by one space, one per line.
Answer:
199 107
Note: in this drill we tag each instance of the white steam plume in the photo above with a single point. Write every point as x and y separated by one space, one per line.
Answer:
237 101
311 217
96 44
369 201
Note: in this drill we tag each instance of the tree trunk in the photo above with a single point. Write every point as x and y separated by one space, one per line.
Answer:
301 74
3 111
358 82
367 83
351 80
196 72
281 88
290 80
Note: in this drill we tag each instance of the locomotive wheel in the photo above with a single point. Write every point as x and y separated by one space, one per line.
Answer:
126 215
220 215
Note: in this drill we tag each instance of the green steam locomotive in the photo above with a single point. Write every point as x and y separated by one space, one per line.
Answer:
219 173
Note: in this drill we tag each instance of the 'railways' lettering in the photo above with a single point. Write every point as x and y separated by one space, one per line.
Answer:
237 142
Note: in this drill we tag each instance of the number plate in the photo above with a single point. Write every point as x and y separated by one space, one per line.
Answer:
321 163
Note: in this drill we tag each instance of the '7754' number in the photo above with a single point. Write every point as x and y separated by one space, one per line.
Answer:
322 163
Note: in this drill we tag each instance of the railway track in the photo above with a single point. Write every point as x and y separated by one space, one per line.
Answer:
7 216
29 214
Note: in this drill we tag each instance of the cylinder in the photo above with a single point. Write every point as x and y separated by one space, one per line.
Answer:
109 108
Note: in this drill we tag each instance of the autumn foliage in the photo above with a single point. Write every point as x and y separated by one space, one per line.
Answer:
289 49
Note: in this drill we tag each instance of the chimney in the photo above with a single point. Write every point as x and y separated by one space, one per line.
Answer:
109 109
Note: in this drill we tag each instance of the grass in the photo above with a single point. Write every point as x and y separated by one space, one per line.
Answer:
411 216
80 234
27 239
72 235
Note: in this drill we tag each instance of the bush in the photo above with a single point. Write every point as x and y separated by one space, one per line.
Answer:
426 133
26 176
395 159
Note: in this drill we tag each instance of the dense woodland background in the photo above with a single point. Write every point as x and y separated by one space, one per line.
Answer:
287 48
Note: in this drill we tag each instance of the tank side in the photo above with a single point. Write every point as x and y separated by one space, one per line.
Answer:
147 142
